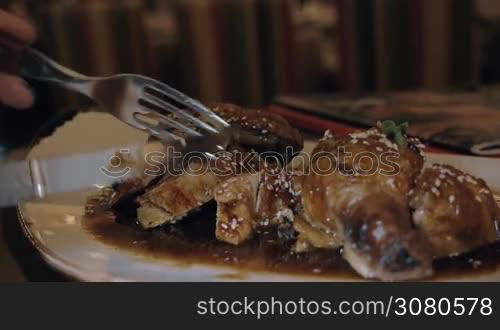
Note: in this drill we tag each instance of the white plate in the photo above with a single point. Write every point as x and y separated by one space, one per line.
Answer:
54 225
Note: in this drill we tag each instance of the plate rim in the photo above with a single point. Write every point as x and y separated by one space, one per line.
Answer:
80 273
59 264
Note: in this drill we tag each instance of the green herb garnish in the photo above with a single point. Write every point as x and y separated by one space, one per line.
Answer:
397 133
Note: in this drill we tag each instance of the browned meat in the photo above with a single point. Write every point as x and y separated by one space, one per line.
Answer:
176 196
254 201
108 197
310 237
380 241
261 130
277 201
358 193
362 192
455 211
394 221
128 191
236 213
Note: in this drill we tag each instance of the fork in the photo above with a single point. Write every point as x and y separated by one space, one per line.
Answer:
139 101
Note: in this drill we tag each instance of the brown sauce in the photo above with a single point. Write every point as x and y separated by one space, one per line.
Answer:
192 241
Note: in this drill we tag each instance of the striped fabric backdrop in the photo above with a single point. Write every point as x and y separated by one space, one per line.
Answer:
94 36
240 51
405 44
249 51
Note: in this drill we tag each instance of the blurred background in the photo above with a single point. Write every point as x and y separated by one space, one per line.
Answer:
251 51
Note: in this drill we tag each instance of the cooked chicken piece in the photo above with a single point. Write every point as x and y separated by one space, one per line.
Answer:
358 189
261 130
254 201
455 211
277 201
108 197
127 191
310 237
174 197
280 204
236 212
380 241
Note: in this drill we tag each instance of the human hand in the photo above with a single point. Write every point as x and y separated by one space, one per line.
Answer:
13 90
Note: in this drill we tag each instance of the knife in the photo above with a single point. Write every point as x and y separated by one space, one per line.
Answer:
37 178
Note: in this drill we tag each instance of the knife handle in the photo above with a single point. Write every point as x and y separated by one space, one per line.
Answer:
11 53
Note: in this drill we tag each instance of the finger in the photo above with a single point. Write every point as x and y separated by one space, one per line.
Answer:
14 92
16 27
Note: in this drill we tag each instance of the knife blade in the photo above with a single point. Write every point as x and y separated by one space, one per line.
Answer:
36 178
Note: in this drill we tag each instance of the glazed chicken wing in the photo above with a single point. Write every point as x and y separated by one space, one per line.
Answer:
455 211
357 191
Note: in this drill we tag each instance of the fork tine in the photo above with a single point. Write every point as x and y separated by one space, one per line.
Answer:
165 105
170 138
168 121
183 128
162 134
187 101
211 156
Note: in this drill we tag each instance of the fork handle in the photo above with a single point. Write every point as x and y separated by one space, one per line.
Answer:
11 54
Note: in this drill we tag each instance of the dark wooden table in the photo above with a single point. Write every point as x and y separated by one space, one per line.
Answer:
19 260
10 269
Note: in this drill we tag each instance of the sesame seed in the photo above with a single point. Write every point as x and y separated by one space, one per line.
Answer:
470 180
451 199
484 191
